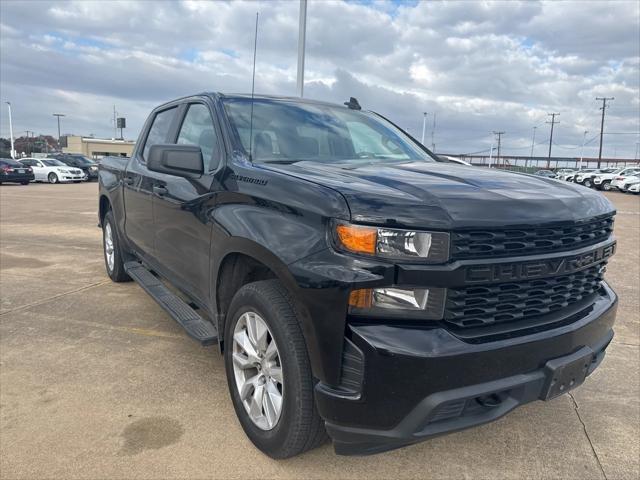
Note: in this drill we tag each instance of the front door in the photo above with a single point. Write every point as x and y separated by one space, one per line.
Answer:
138 185
181 210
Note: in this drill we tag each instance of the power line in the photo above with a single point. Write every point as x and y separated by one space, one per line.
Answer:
603 108
552 122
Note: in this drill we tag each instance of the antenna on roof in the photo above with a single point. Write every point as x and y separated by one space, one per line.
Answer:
253 84
353 104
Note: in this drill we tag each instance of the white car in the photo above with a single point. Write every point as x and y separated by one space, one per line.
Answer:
584 176
627 183
564 174
52 170
635 188
619 181
602 181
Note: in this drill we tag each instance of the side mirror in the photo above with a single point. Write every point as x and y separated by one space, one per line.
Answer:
178 160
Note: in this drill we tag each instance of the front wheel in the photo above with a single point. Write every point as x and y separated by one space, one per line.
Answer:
53 178
606 186
268 371
113 257
587 183
24 183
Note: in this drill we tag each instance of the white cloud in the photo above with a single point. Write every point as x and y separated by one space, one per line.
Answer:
480 66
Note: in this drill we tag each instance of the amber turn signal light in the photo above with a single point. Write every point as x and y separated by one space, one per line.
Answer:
362 298
358 239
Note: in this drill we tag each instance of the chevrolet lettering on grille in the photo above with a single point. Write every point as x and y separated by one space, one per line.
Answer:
506 272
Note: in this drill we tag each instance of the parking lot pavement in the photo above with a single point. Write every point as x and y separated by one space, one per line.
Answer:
96 381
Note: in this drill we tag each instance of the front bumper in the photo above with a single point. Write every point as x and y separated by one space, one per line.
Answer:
419 383
68 177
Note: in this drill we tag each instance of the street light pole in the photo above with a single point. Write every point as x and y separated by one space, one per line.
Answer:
424 125
302 36
13 151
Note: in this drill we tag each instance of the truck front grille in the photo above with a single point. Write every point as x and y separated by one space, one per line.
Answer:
506 302
490 243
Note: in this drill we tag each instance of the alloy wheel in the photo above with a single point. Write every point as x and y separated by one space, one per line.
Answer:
257 370
108 247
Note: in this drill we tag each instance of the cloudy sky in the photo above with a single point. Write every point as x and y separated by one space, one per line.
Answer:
478 66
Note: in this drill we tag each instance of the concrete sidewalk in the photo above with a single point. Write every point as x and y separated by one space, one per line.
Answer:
96 381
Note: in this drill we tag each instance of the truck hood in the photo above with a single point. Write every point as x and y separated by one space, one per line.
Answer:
446 196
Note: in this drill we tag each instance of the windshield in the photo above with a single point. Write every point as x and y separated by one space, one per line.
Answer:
287 132
53 163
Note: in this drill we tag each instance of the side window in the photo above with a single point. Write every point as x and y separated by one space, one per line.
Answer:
159 129
197 129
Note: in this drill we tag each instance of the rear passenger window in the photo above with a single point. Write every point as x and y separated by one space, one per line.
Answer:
197 129
159 130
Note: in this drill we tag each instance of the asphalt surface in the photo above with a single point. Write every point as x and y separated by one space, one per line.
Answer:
96 381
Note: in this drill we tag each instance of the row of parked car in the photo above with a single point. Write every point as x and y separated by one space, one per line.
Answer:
57 168
625 179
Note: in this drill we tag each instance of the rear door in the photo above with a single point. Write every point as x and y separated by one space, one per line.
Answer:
182 221
39 171
139 182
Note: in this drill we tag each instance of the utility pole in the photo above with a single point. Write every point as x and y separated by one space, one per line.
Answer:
603 108
584 138
499 135
433 129
58 115
302 37
13 151
424 125
491 151
29 147
552 122
533 142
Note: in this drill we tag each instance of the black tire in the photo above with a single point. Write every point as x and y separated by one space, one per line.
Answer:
24 183
299 427
117 273
587 183
53 178
606 186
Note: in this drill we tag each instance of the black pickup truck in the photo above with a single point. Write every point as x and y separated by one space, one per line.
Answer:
356 286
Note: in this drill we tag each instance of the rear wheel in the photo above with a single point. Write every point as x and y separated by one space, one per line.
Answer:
268 372
53 178
113 255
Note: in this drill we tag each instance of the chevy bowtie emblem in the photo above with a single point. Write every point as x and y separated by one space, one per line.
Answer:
602 269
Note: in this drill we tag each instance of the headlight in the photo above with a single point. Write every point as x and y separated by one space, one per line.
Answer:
423 303
62 170
428 247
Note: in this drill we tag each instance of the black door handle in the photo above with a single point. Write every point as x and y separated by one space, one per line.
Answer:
160 191
128 180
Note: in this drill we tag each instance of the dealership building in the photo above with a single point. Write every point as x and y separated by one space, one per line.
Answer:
96 148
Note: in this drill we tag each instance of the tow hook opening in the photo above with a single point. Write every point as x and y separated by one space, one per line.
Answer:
492 400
